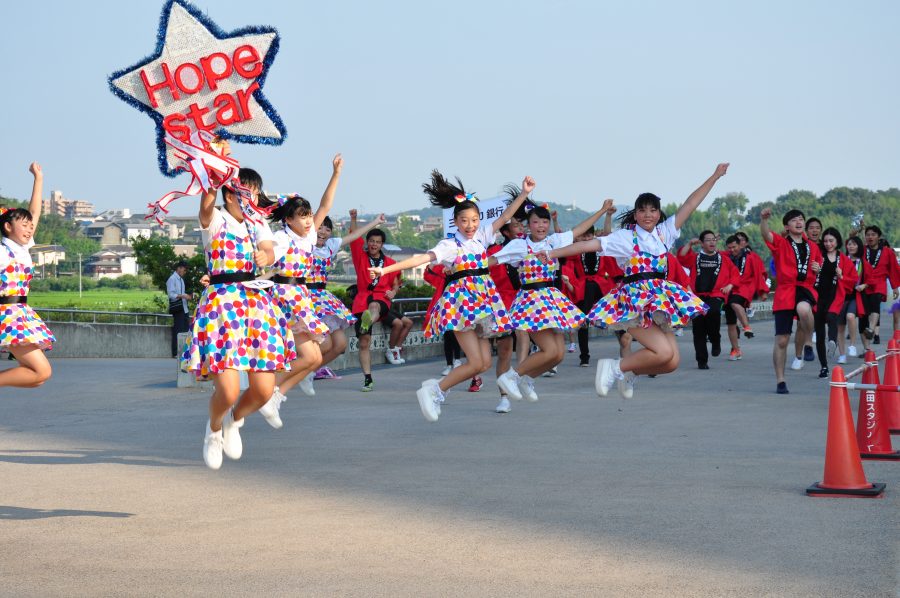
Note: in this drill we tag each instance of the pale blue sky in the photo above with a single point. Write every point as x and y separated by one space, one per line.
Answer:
592 99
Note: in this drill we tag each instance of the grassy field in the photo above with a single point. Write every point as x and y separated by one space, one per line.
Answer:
99 300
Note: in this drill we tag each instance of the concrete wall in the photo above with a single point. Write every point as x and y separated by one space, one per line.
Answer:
110 340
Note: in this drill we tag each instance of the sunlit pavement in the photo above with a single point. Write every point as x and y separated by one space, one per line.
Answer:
693 488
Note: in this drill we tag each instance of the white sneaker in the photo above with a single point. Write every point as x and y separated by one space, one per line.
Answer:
399 357
550 373
429 396
831 347
446 370
814 338
503 406
604 378
306 385
571 348
626 385
456 363
851 351
391 357
526 387
270 411
212 448
750 312
797 364
509 383
679 331
842 359
231 436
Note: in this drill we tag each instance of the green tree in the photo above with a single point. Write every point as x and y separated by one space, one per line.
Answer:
156 257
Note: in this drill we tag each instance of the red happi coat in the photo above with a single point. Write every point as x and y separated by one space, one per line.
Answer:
753 280
728 274
361 265
607 276
845 284
500 276
885 268
786 272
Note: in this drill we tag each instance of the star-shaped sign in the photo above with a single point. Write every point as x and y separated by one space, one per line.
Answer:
201 78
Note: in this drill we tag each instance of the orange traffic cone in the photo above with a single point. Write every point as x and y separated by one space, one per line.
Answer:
871 427
844 476
892 378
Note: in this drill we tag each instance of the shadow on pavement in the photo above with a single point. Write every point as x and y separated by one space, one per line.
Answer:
24 513
79 457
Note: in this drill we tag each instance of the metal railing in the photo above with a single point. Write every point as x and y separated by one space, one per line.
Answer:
133 318
421 303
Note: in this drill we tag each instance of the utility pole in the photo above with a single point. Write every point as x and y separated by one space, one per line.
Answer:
79 275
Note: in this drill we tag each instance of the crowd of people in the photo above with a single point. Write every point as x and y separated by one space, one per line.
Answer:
522 294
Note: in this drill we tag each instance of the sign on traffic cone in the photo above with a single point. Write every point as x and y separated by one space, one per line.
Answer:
871 426
844 476
892 378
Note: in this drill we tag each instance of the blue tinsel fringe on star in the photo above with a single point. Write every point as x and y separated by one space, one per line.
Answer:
219 34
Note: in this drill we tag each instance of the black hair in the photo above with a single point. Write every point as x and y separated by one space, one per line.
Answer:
643 200
704 233
532 209
180 264
790 215
328 223
732 239
444 194
248 178
376 232
294 205
810 221
859 246
742 235
834 233
505 228
13 214
874 228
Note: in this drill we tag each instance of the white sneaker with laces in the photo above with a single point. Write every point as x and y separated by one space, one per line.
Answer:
212 448
391 356
626 385
797 364
550 373
750 312
446 370
509 383
397 354
231 436
604 378
571 348
831 347
526 387
842 359
270 411
456 363
503 406
851 351
306 385
429 396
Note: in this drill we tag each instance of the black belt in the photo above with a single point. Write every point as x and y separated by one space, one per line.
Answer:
230 277
279 279
315 286
533 286
14 299
465 273
643 276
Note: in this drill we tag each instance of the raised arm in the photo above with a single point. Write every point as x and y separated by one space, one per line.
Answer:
352 221
528 185
328 196
607 222
410 262
767 234
588 222
356 233
576 248
686 248
207 205
554 216
694 199
36 191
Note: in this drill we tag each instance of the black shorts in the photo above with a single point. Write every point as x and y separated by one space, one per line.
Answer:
385 315
784 318
730 316
872 302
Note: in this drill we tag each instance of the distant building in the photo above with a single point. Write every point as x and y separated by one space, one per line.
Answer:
70 209
111 262
46 255
106 233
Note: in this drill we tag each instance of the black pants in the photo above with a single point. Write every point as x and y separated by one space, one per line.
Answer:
823 319
179 324
452 349
591 297
707 328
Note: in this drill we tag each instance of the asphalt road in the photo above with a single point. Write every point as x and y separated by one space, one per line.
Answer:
693 488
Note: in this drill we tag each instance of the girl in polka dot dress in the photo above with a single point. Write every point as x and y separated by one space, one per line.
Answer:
294 245
236 327
22 332
469 305
329 308
645 304
540 308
